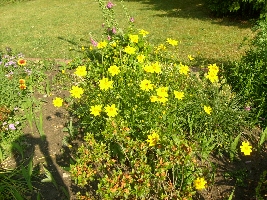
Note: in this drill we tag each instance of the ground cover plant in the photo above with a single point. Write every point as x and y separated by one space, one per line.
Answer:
248 76
151 123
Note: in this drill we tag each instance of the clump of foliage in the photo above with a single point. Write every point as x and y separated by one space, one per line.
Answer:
150 122
248 77
243 8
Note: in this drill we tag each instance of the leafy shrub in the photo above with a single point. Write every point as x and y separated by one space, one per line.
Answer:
240 7
249 76
149 120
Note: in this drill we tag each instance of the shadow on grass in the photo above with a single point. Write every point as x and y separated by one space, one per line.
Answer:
49 184
195 9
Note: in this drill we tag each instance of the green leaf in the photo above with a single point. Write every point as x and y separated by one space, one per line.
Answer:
17 195
1 155
233 146
49 177
18 148
263 137
231 195
27 174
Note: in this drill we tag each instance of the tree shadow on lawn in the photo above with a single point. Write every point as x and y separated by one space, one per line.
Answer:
194 9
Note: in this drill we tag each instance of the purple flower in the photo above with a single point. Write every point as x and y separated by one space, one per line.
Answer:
94 43
114 30
131 19
10 63
28 72
12 127
110 5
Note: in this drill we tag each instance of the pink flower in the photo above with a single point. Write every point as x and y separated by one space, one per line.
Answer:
94 43
247 108
12 127
131 19
109 38
110 5
114 30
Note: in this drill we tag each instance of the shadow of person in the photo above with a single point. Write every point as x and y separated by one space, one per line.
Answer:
46 178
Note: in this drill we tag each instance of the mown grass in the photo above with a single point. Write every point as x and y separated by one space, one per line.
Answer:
48 28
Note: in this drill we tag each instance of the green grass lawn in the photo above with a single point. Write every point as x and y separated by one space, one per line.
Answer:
45 28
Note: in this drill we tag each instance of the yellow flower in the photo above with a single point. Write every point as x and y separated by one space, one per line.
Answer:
212 77
105 84
160 47
102 45
63 71
156 67
153 139
179 95
81 71
113 44
148 68
183 69
111 110
172 42
140 58
153 98
57 102
114 70
21 62
95 110
190 57
76 91
133 38
162 91
146 85
246 148
143 32
162 99
213 69
129 50
200 183
82 48
207 109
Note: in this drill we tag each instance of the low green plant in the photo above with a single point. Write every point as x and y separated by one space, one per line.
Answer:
248 76
243 8
16 183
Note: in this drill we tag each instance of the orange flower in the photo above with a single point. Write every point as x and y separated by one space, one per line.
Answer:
21 81
21 62
22 86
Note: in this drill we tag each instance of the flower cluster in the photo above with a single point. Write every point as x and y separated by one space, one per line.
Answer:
213 73
22 84
110 110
